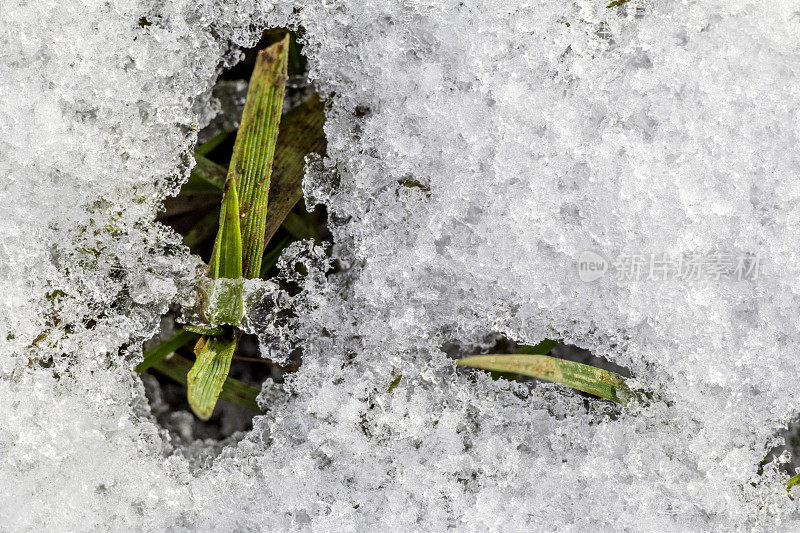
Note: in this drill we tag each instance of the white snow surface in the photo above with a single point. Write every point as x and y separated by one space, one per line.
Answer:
536 130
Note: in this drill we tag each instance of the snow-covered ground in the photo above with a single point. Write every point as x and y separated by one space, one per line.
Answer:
660 134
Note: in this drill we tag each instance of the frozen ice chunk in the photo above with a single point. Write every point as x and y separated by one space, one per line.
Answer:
218 302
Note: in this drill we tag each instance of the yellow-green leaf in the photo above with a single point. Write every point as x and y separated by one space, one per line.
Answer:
589 379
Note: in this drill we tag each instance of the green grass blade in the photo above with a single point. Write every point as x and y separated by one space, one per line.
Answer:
154 355
302 132
222 302
251 162
204 380
395 382
794 480
589 379
542 348
226 259
233 390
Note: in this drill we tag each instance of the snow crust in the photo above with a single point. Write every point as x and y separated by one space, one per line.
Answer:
475 149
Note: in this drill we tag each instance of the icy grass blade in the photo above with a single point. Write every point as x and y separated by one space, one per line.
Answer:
205 379
151 357
395 382
251 162
301 134
200 330
542 348
211 366
589 379
233 390
222 301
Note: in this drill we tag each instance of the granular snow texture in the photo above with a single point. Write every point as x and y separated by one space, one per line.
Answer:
476 149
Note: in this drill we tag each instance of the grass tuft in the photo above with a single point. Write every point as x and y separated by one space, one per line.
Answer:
239 246
267 166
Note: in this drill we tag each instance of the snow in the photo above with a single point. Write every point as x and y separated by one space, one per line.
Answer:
536 132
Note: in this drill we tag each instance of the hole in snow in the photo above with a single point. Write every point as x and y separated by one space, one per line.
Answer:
186 213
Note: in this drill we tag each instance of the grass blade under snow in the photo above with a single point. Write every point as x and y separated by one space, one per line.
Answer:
208 373
222 304
177 368
542 348
586 378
